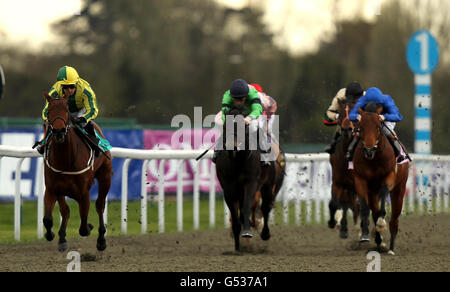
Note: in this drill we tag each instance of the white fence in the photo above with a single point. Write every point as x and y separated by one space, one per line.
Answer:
308 181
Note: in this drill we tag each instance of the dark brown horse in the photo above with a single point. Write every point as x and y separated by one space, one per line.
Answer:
70 169
376 174
241 175
343 194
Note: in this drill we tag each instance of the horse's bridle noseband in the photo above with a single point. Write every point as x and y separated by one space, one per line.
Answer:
66 124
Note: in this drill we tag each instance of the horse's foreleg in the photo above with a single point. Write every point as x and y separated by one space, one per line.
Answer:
374 206
249 195
49 203
84 205
362 191
266 206
65 214
343 230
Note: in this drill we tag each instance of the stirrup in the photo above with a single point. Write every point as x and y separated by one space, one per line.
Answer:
40 149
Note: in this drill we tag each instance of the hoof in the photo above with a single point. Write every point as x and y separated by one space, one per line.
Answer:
331 224
364 238
247 234
343 234
390 252
381 224
49 236
62 246
265 235
101 245
84 232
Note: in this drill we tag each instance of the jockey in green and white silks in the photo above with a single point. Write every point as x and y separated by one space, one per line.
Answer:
240 93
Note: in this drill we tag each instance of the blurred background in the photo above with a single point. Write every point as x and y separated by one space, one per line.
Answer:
149 60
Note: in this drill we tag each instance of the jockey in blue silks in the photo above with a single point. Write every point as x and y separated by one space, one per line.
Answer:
390 115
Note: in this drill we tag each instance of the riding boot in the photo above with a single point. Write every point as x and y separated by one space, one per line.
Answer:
395 144
264 148
332 147
40 145
351 148
91 132
397 148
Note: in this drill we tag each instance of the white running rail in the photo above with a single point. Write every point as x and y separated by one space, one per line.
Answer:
307 182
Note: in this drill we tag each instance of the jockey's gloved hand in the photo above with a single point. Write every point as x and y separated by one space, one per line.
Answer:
79 120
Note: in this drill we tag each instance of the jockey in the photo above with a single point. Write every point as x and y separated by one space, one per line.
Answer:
351 93
241 93
389 116
81 99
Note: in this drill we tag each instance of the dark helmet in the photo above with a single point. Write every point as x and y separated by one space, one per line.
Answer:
354 89
239 88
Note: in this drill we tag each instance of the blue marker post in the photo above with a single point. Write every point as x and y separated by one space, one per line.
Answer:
422 56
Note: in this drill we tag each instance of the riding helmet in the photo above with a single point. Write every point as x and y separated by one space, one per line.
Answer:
239 88
354 89
67 75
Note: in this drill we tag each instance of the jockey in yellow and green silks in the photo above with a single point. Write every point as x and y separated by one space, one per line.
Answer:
81 99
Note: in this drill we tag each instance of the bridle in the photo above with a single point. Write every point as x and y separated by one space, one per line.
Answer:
377 142
66 123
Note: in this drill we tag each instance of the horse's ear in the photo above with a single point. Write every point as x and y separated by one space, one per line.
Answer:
47 97
360 111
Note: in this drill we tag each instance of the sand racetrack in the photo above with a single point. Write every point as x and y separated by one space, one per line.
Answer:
423 244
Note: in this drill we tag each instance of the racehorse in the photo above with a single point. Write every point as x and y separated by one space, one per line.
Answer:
376 173
343 194
241 175
70 169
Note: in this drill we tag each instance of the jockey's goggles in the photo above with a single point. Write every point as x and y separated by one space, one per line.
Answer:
70 86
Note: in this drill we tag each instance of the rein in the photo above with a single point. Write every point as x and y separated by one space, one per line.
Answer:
90 163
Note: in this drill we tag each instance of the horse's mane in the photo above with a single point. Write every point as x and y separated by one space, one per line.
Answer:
237 110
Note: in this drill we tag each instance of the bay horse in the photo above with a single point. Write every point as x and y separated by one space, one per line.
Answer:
376 174
241 175
343 193
70 169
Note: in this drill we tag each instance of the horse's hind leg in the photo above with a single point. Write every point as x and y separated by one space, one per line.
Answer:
333 206
397 205
49 203
65 214
104 180
84 205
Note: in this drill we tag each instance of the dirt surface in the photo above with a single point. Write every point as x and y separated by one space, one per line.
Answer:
423 244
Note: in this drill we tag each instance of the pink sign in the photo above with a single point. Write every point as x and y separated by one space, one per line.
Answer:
187 140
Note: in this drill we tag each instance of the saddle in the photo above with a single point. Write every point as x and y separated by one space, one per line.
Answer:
91 140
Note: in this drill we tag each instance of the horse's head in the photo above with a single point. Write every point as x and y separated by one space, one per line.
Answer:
58 117
343 120
238 136
370 129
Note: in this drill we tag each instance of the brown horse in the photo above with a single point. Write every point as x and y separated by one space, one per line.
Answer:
70 169
343 194
376 174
